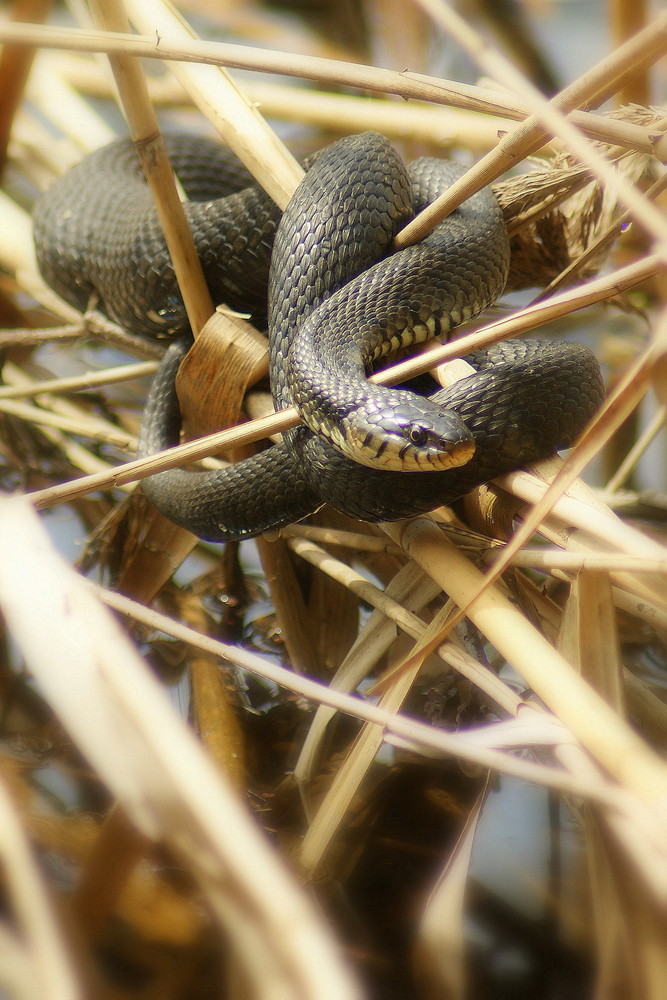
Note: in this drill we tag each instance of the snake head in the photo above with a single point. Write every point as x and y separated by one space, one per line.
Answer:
406 436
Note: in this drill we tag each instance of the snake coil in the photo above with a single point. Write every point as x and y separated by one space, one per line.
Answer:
338 300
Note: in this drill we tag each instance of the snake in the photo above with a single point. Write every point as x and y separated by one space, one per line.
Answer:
337 300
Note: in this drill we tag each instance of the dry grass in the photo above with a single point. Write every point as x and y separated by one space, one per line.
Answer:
131 863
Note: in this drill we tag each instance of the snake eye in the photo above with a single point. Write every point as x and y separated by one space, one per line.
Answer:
418 435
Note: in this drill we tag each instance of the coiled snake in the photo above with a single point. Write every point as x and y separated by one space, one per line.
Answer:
338 300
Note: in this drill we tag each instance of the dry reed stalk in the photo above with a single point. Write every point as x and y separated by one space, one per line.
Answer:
440 947
86 428
217 97
630 461
14 336
79 383
593 291
475 746
549 559
546 118
335 113
599 729
625 19
213 706
577 776
646 709
144 130
589 639
40 960
118 716
646 48
640 609
291 609
340 537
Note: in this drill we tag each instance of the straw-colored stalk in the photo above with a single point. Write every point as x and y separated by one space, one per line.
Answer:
646 48
119 717
116 714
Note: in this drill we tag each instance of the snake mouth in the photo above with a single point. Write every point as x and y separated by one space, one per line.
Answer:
439 460
460 455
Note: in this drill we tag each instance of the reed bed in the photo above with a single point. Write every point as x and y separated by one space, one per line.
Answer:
267 771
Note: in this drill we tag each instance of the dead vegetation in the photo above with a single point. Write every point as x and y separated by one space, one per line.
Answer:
357 693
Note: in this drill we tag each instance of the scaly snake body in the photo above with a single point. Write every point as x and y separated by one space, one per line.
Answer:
337 301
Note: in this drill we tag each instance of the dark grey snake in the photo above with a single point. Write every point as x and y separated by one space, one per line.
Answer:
338 300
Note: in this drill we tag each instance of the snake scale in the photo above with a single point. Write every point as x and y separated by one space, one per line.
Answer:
336 300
